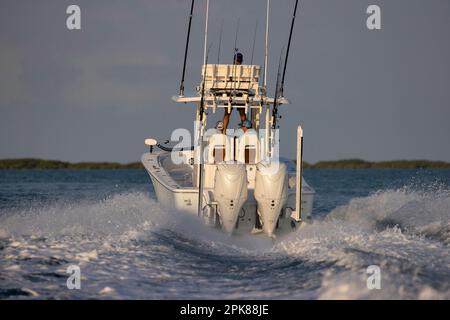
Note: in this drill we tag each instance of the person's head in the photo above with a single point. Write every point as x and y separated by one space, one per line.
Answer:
246 124
219 126
238 58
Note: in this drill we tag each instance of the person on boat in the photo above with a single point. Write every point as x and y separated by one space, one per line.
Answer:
247 142
218 143
246 127
239 131
219 127
238 59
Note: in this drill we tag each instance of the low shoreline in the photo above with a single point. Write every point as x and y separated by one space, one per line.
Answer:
393 164
40 164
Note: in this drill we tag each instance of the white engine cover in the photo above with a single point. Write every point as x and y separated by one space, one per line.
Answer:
271 193
230 192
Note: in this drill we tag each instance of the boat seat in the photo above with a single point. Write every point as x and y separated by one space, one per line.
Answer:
247 148
219 149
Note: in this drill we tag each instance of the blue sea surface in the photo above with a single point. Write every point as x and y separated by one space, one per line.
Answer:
109 224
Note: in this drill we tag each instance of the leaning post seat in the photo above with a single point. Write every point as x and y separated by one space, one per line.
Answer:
247 148
219 149
223 78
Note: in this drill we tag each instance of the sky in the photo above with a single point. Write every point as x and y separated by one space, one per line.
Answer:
95 94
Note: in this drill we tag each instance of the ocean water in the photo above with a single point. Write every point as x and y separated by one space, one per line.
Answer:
109 224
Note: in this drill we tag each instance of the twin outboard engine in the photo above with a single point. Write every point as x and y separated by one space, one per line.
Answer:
271 193
230 190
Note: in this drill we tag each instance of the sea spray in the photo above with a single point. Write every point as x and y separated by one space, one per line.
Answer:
127 246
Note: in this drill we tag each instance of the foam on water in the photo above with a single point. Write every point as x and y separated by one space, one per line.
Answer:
129 247
403 231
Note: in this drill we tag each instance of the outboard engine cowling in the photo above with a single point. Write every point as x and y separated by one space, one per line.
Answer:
230 192
271 186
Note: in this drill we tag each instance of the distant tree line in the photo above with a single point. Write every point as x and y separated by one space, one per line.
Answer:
362 164
39 164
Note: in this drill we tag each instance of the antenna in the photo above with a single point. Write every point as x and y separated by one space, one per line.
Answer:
206 32
220 42
235 49
254 41
186 50
288 47
264 88
266 53
201 112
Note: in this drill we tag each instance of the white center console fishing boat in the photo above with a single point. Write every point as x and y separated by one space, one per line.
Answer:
233 181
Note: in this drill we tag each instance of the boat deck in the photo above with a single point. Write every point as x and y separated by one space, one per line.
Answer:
173 176
182 175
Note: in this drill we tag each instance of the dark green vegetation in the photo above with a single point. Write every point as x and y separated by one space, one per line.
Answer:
362 164
39 164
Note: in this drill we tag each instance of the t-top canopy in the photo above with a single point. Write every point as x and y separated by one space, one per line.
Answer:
231 85
231 77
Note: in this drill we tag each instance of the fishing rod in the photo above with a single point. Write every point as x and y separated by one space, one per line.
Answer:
277 91
251 112
186 49
288 47
281 87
